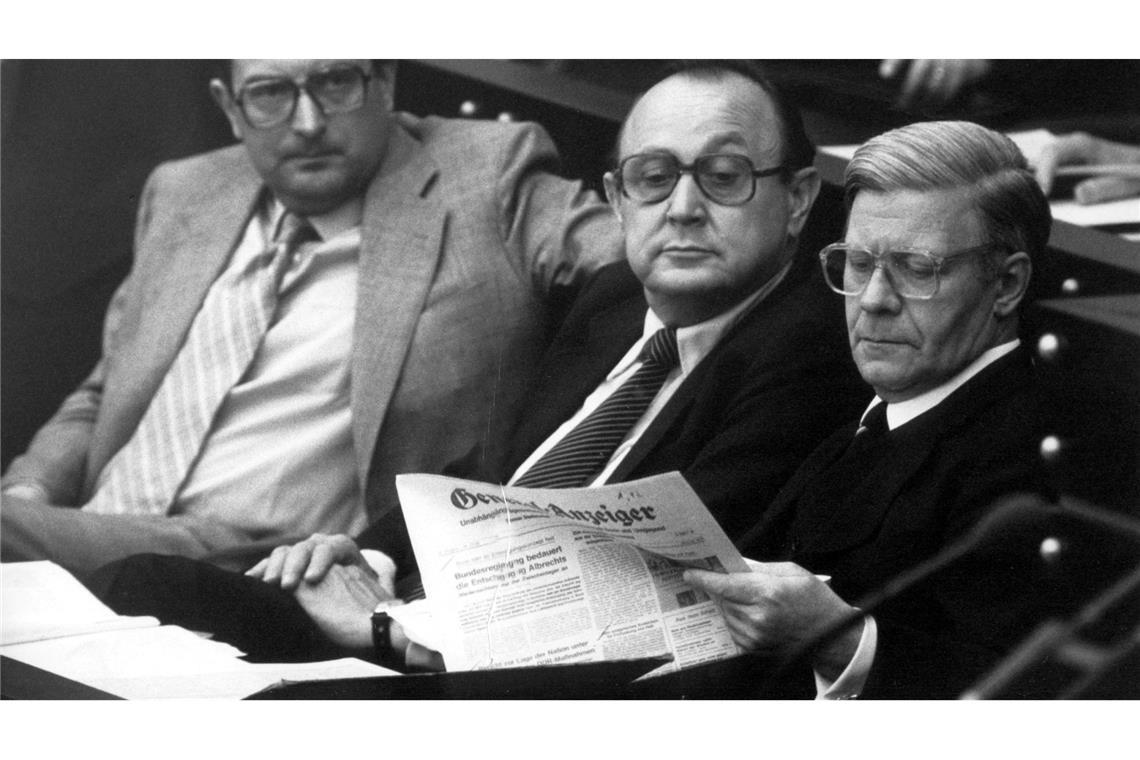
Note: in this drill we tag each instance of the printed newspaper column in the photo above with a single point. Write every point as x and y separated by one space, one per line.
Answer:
533 576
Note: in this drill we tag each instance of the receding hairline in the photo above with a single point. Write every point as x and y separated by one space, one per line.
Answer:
708 76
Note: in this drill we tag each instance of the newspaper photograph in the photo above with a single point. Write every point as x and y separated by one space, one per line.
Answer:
534 576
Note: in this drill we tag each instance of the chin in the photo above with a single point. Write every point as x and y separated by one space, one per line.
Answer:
684 280
316 199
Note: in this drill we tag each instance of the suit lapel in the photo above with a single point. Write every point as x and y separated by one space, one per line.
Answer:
197 247
758 320
178 260
400 247
572 371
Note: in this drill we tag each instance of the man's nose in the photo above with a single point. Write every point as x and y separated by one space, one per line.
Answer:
308 118
880 294
686 202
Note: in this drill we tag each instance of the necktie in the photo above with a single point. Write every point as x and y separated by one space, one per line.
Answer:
872 428
874 422
585 450
146 474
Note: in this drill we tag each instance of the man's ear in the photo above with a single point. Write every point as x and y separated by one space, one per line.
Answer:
613 195
225 101
1013 281
803 188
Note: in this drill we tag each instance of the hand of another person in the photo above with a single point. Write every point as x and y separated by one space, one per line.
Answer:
780 607
933 82
1081 148
309 560
341 601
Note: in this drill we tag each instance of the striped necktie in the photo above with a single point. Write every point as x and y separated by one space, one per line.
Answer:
584 451
144 477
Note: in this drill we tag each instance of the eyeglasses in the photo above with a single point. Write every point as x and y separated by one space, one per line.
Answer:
269 102
725 178
912 273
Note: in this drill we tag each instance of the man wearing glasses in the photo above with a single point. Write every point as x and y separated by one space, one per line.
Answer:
945 221
715 350
349 294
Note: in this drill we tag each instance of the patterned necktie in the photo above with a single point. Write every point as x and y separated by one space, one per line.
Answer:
584 451
144 477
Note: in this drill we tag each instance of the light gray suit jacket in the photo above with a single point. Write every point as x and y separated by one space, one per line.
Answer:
465 236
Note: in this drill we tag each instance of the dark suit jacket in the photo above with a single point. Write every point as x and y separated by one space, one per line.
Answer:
775 386
865 520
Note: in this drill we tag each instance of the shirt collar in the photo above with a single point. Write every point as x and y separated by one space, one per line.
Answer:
902 412
695 342
328 225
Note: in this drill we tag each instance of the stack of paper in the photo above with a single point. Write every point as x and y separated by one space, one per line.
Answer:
50 620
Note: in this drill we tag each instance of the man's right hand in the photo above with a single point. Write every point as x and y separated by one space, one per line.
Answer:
309 560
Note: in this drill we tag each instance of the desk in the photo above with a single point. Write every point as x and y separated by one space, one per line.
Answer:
595 680
1089 360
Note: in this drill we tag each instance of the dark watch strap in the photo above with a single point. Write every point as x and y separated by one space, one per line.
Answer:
382 642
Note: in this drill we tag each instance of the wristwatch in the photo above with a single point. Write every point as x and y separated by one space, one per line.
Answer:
382 647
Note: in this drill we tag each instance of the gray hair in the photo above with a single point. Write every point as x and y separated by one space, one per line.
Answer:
948 155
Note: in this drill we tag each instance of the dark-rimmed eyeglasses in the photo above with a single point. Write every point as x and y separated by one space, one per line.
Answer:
913 273
725 178
272 101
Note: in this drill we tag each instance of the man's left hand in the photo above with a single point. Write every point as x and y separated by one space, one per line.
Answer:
780 607
341 604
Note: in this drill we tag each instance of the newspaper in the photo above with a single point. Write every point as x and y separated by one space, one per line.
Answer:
533 576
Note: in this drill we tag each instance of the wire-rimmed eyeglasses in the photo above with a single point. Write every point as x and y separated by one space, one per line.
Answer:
913 273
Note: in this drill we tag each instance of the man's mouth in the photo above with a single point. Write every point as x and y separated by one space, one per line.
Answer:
686 249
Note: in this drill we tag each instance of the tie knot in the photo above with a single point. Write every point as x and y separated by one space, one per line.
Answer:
662 348
874 421
295 230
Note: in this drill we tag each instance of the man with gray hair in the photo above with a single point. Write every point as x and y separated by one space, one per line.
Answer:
945 222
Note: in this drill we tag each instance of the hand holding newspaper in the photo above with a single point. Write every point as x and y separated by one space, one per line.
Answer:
532 576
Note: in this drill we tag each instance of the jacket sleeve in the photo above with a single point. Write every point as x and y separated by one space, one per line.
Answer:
556 231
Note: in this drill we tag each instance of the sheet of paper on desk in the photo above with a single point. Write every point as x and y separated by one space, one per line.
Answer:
41 600
126 653
1031 142
846 152
1124 211
170 662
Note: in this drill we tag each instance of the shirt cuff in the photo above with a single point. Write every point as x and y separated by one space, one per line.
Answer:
384 567
854 677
